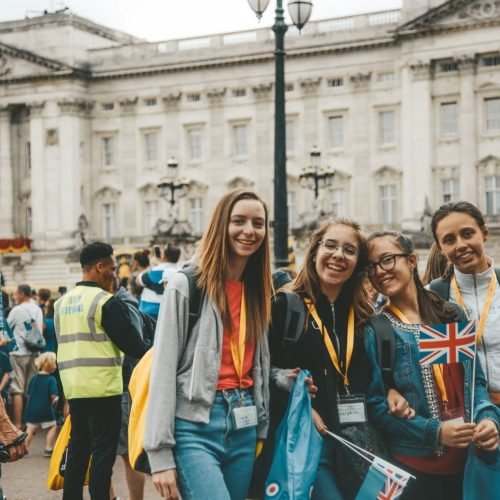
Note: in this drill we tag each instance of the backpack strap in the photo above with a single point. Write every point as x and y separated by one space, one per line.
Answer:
195 295
441 286
497 272
295 318
386 347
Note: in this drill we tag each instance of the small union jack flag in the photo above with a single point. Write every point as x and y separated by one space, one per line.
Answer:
450 343
392 488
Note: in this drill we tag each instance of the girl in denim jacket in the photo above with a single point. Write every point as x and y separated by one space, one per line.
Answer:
432 445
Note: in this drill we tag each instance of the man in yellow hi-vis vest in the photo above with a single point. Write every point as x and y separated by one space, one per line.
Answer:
93 331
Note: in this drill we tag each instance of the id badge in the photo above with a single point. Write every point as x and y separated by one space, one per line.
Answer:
454 416
352 409
245 416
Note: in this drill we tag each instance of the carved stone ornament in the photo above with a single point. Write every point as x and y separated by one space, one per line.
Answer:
215 96
262 91
172 99
128 104
466 64
361 79
310 85
52 137
482 10
36 108
76 106
5 67
421 70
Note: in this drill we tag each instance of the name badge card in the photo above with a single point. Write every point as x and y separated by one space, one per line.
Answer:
245 416
454 416
352 409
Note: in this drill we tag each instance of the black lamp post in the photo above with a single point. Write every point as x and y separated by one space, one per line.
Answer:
300 11
315 176
171 185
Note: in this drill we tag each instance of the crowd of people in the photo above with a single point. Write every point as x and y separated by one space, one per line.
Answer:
221 374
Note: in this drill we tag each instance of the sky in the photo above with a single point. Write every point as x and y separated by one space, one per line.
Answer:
156 20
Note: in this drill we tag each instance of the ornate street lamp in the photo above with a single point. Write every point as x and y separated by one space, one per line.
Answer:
171 185
316 177
300 11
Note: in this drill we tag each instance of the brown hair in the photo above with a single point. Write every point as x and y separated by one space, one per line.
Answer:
433 309
46 362
308 283
213 261
44 294
49 308
463 207
436 265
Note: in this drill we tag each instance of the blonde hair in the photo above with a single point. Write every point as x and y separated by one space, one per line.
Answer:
214 259
46 362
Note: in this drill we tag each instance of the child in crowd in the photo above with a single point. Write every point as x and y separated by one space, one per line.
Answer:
42 399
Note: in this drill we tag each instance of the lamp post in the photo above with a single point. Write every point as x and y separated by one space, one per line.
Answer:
316 177
171 185
300 11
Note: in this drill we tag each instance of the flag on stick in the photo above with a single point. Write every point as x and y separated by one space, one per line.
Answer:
449 343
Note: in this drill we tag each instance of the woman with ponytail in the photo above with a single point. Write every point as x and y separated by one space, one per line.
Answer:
432 446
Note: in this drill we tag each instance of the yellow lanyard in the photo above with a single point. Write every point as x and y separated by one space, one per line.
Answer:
486 308
238 346
437 369
328 341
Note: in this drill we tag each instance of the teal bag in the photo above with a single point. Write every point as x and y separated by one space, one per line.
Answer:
297 450
482 475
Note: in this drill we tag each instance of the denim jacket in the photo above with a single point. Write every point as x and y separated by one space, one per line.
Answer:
418 436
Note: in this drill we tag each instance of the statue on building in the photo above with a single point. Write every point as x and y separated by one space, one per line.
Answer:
80 238
426 218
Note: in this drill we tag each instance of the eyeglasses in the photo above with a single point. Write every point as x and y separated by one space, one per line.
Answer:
386 263
331 246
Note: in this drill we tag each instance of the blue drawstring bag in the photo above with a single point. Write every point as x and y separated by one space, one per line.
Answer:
482 475
297 450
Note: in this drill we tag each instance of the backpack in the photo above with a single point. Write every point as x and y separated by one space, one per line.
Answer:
441 286
139 382
33 337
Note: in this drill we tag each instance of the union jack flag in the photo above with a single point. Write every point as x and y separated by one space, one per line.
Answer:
450 343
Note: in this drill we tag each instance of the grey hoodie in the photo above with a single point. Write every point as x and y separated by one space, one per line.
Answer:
185 372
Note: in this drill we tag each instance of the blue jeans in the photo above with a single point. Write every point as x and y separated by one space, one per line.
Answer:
325 486
215 460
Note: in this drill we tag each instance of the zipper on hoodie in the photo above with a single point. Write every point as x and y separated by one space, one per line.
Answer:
483 343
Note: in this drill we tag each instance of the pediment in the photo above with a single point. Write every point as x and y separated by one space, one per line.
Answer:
455 14
15 63
387 172
240 182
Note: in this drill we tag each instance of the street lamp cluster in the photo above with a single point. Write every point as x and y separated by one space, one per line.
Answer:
171 187
316 177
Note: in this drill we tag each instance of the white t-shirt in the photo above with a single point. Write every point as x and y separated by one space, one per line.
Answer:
18 316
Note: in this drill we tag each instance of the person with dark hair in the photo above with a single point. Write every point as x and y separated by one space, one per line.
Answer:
140 264
436 265
43 297
433 445
94 329
26 315
460 233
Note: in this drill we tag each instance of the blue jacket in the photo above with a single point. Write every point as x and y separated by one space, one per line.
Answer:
418 436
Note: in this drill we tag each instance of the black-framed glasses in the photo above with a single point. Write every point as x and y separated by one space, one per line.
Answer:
331 246
386 263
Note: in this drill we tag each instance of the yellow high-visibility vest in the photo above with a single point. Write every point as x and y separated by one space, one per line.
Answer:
89 363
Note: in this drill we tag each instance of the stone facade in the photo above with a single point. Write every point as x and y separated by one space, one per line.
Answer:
404 106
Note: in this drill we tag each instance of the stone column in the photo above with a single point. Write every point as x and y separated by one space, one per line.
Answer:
37 181
468 131
6 178
416 143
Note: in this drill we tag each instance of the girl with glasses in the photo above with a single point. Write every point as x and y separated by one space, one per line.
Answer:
330 346
209 395
432 446
461 233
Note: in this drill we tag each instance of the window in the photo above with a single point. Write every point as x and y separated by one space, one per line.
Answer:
289 87
108 220
108 151
239 92
492 112
338 202
290 136
386 127
385 77
449 119
151 147
450 189
491 60
107 106
492 192
150 215
336 131
196 214
194 143
335 82
150 101
29 222
293 213
388 203
28 156
240 140
194 97
448 66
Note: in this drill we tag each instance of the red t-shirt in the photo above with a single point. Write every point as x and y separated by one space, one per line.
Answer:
453 460
228 376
